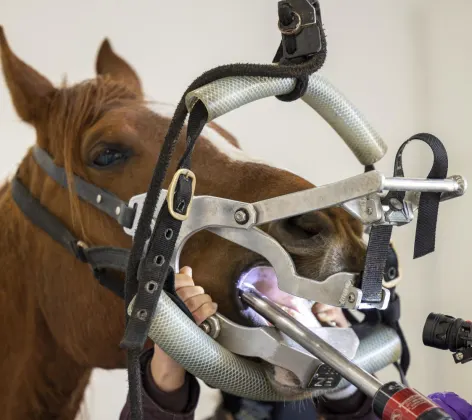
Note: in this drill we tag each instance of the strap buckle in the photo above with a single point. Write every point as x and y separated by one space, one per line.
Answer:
187 173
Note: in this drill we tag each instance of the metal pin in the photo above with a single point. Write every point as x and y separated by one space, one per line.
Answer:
241 216
396 204
99 198
117 211
211 326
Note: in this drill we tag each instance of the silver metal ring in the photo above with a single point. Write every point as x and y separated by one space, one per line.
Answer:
294 30
82 244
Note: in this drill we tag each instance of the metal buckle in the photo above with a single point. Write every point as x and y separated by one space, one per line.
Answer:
171 192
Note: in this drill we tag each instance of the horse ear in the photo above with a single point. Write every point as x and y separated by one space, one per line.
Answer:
29 90
109 63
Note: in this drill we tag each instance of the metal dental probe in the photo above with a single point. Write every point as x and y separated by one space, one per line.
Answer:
389 400
309 340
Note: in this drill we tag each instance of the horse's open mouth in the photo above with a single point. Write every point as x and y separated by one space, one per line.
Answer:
264 279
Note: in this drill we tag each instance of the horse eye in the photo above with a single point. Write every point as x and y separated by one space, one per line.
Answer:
109 156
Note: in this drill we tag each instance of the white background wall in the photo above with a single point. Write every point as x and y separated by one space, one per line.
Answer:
405 63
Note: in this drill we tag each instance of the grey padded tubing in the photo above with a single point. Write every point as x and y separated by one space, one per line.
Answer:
227 94
206 359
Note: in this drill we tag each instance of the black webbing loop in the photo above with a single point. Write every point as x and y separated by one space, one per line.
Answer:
298 91
428 208
426 225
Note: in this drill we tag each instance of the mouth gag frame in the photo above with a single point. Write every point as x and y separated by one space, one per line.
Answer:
167 321
363 196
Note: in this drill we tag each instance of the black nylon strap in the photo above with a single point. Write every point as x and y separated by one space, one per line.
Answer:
428 208
429 201
154 267
374 266
97 197
111 282
41 217
103 259
155 264
100 257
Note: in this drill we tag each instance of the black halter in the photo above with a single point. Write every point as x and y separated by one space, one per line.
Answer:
100 258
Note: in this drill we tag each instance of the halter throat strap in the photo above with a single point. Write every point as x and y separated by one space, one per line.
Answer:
100 258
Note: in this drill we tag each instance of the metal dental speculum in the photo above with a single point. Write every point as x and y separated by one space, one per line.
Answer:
360 195
371 197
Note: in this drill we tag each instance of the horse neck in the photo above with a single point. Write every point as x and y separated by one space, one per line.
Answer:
32 365
17 231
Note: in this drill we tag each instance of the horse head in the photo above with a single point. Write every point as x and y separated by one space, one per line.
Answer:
106 131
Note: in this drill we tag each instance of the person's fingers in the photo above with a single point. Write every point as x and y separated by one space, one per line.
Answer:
205 311
185 293
322 307
195 302
330 315
182 280
186 270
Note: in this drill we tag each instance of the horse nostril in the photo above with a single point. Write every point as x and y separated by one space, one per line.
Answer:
310 224
296 231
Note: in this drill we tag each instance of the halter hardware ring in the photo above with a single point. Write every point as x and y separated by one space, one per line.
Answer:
292 31
82 244
171 192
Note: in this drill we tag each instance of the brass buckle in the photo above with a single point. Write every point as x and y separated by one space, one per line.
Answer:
171 192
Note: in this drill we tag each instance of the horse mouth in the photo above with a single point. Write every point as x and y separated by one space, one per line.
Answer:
263 278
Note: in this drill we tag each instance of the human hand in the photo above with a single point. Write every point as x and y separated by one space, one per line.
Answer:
168 375
330 315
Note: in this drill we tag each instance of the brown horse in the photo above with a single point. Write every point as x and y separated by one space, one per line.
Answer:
58 323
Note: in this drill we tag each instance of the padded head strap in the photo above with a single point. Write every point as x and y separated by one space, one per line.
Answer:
97 197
